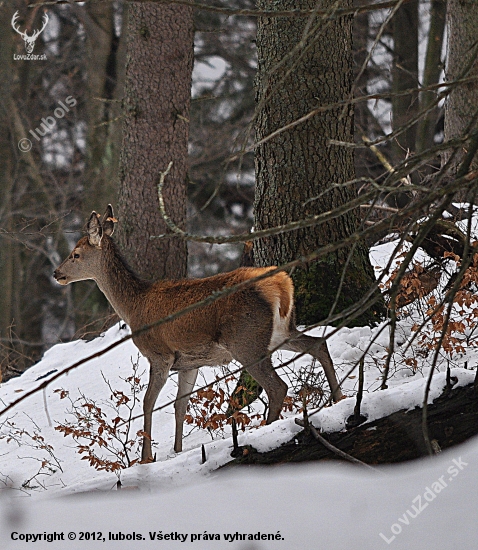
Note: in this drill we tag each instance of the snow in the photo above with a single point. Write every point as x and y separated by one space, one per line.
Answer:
312 506
320 505
425 504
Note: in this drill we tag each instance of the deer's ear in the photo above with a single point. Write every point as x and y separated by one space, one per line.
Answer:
109 221
94 230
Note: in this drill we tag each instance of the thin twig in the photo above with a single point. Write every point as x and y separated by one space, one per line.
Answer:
334 449
356 10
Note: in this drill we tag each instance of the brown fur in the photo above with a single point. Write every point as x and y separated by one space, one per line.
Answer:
276 287
242 326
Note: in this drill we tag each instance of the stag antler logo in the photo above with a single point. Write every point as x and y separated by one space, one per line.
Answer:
29 40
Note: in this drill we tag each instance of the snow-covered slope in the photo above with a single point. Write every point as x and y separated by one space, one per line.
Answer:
430 504
44 410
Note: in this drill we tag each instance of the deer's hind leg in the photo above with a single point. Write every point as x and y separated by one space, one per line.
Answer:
247 338
301 343
276 389
259 366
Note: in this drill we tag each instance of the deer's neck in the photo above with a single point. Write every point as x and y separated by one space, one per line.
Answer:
123 289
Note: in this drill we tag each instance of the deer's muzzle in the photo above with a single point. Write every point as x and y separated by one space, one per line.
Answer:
59 277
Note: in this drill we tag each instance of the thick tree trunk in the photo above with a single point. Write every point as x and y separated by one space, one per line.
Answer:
302 65
461 107
155 132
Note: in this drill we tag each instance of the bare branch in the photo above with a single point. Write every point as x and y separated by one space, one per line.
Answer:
340 12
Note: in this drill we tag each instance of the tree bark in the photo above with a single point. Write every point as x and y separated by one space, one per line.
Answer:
303 64
155 132
461 107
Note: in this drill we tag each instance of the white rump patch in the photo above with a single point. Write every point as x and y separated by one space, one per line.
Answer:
280 326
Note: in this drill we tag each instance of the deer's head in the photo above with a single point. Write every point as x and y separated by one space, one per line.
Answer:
85 260
29 40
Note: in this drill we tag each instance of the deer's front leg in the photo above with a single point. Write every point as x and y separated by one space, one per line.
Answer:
186 381
158 374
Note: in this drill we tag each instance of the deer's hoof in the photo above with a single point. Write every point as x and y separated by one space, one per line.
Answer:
147 460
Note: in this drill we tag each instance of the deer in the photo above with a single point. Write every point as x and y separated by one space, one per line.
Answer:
29 40
246 325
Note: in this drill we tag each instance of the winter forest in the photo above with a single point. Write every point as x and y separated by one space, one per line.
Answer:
282 192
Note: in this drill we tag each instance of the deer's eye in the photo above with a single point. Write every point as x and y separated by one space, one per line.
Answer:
76 255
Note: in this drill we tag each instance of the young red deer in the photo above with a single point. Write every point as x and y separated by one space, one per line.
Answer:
244 326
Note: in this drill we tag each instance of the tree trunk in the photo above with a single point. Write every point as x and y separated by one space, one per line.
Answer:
405 77
24 287
103 138
155 132
101 45
6 177
364 122
462 62
431 75
297 171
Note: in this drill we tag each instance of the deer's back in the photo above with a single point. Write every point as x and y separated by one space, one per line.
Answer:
249 310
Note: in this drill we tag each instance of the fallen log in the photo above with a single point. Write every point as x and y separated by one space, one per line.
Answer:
452 419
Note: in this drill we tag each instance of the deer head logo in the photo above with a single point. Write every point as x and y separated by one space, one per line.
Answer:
29 40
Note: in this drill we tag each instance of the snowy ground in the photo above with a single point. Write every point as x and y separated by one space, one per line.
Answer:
310 506
431 504
427 504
